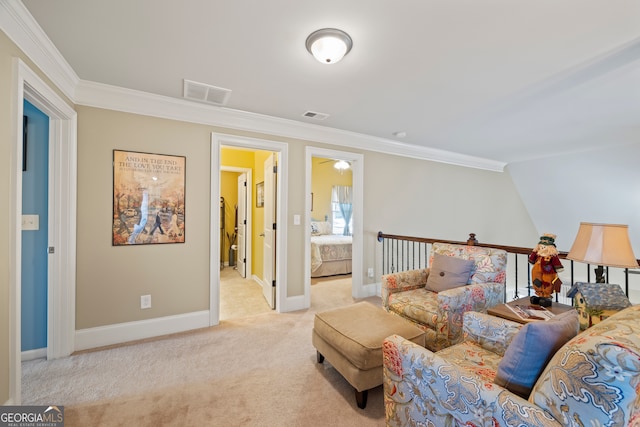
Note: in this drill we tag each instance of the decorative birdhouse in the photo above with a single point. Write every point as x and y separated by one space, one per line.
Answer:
597 301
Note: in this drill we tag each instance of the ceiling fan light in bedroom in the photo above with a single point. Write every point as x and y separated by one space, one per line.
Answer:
341 165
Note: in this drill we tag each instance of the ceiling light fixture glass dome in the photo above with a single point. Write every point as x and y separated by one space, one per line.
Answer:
329 45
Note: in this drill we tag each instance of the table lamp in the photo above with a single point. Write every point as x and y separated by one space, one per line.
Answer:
603 245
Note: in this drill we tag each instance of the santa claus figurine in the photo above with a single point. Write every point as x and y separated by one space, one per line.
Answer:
546 266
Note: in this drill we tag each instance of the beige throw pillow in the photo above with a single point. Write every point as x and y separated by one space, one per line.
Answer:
532 348
448 272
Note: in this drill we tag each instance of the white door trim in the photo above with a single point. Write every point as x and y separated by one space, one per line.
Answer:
357 164
62 220
282 150
269 233
249 173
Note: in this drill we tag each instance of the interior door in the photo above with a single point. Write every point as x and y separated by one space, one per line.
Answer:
242 225
35 235
269 269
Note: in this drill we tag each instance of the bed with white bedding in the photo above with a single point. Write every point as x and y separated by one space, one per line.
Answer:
330 253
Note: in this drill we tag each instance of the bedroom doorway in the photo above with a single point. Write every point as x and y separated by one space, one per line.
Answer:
333 235
331 246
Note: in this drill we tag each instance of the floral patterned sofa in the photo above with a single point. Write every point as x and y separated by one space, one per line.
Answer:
592 380
439 314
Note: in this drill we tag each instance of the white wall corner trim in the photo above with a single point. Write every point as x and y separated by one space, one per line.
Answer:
18 24
130 331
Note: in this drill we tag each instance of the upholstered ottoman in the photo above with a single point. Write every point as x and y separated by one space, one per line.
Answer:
351 340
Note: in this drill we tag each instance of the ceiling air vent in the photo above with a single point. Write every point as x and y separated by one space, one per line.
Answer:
315 115
206 93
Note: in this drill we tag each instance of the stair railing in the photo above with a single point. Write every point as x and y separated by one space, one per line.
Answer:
403 253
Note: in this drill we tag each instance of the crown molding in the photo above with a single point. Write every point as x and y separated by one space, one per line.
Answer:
24 31
18 24
131 101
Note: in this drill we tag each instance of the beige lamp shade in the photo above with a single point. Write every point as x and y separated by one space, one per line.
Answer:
603 244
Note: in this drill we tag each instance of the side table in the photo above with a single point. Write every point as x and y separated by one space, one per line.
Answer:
506 313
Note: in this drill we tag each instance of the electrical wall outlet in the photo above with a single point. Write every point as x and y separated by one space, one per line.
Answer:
370 272
145 301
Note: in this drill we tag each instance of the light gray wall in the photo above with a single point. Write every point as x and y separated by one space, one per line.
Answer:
402 196
111 279
414 197
599 186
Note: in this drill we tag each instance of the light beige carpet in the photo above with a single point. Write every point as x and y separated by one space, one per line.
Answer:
254 371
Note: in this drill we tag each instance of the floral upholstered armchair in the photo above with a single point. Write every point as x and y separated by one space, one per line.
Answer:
592 379
472 278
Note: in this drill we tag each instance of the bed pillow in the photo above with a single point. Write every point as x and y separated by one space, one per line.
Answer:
314 228
531 349
323 227
448 272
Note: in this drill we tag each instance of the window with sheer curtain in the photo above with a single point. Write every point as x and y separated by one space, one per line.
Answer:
341 209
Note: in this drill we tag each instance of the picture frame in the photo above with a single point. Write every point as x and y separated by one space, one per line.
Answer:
260 194
148 198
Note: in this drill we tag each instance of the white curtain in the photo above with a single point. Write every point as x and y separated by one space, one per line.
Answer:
344 197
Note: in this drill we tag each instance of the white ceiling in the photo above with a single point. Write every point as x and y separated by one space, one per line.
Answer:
499 79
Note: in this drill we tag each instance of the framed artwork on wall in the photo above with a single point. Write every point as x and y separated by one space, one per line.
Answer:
260 194
148 198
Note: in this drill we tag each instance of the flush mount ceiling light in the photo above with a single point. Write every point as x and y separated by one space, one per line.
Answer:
329 45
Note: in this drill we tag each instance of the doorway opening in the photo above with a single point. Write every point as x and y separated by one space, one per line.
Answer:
331 225
240 291
35 235
249 245
337 206
61 223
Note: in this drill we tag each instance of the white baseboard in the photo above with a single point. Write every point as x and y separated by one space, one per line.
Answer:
131 331
294 304
38 353
370 290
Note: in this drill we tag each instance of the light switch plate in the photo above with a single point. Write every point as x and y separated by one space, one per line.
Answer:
296 220
31 222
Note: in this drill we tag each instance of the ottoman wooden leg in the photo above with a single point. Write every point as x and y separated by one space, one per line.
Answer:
319 356
361 398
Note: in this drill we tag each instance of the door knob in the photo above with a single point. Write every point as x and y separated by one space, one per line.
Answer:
261 234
